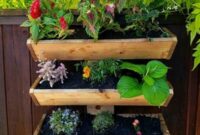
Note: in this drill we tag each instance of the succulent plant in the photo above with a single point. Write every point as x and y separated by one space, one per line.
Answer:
51 73
64 121
102 122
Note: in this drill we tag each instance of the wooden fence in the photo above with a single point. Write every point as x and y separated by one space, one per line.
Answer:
19 116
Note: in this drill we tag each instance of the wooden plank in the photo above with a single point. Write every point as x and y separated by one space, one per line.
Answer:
37 130
37 111
3 110
157 48
85 97
17 81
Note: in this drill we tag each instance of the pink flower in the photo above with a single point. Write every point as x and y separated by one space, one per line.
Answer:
139 133
110 8
136 122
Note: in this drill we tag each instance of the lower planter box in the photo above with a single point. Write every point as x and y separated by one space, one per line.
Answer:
163 126
46 97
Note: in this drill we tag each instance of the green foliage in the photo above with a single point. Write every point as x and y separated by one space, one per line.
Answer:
102 122
14 4
64 121
95 16
193 27
100 70
153 86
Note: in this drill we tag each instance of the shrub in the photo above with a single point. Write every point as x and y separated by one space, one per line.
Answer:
64 121
102 122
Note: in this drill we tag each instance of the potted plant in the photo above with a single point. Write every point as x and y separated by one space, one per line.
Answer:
139 36
101 124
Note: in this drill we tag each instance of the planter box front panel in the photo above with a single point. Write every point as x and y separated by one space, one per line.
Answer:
46 97
156 48
163 125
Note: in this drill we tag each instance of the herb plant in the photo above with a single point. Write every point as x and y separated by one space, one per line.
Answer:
102 122
64 121
153 86
97 71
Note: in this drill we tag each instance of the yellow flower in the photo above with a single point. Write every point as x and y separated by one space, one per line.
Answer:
86 72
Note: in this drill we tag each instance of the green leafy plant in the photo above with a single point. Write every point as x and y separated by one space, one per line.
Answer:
49 19
193 27
102 122
98 71
64 121
153 86
94 15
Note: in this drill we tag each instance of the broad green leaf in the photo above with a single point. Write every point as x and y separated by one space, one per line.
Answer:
26 24
157 93
34 32
197 22
128 87
140 69
156 69
49 21
148 80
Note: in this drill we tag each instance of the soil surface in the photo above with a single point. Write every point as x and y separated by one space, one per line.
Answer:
75 81
123 126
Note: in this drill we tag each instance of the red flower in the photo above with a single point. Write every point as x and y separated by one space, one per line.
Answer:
35 10
63 23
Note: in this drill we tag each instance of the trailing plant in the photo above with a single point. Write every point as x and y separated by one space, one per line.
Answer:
64 121
49 19
102 122
52 73
153 84
193 27
97 71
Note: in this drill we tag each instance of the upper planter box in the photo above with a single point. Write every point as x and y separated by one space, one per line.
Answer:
48 96
142 48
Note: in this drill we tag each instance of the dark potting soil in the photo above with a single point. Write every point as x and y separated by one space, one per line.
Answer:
110 34
123 126
75 81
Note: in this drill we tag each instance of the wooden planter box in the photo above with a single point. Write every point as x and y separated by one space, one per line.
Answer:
163 125
46 97
156 48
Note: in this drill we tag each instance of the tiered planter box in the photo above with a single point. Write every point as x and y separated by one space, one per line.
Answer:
164 127
143 48
46 97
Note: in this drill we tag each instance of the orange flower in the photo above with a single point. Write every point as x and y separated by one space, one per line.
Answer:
86 72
